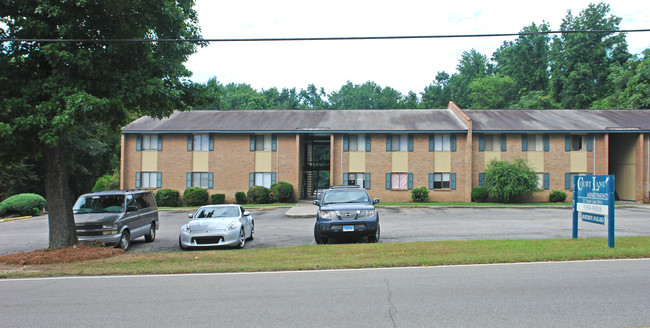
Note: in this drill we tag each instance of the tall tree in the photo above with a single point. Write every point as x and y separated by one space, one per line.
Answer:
436 95
365 96
58 87
526 59
581 62
630 85
472 65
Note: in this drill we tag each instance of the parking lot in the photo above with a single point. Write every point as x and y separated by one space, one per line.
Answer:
274 229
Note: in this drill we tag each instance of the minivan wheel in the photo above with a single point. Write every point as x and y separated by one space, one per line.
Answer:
151 236
125 241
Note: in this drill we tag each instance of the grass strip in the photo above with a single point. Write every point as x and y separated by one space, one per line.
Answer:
346 256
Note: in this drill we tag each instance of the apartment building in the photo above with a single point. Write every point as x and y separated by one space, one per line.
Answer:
389 152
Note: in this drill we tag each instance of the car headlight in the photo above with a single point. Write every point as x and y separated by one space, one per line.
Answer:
231 226
109 229
328 215
186 228
366 214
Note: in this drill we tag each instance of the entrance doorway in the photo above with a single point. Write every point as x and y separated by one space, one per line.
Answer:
622 164
316 165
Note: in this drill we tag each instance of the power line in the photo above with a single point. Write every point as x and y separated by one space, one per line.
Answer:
348 38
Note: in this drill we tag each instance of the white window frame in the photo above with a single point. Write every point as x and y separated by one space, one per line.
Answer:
201 142
442 142
492 142
540 180
358 179
200 179
397 179
535 142
399 142
263 142
149 142
582 139
357 142
442 180
263 179
148 179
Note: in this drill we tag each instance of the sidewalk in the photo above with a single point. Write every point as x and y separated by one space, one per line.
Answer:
305 208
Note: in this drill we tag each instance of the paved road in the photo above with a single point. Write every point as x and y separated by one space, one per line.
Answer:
555 294
273 229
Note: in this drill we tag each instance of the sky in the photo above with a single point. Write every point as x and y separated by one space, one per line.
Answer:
405 65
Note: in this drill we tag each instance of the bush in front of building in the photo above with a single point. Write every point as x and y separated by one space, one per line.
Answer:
23 205
282 192
420 195
168 198
240 198
510 182
218 199
107 182
259 195
480 194
195 196
557 196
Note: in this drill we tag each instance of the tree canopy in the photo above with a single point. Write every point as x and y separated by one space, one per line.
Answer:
49 91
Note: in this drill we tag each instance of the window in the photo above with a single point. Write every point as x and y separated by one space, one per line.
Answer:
540 181
150 180
568 183
399 181
441 181
200 179
492 143
264 179
150 142
441 142
399 142
262 142
201 142
357 142
356 179
535 142
577 143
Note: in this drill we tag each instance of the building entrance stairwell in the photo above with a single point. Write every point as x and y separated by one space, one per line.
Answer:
316 164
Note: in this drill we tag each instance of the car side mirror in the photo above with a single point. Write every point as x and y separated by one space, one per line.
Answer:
247 213
317 202
191 215
375 200
131 209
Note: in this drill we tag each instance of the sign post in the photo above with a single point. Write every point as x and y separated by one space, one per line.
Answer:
593 201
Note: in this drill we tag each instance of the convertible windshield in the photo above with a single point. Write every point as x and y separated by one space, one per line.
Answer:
336 196
218 212
99 204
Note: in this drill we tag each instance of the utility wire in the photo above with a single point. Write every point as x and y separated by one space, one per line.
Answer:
350 38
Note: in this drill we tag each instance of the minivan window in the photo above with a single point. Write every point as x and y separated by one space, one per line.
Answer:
99 204
139 199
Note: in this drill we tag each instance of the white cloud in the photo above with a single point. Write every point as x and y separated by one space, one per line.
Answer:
406 65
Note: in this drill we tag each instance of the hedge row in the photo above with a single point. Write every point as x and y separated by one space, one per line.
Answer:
280 192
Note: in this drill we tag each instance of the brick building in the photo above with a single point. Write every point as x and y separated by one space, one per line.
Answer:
389 152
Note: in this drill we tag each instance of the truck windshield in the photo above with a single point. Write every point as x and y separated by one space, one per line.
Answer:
99 204
345 196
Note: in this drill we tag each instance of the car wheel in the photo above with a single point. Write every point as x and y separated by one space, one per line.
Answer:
252 231
125 241
374 237
318 238
242 238
151 236
181 244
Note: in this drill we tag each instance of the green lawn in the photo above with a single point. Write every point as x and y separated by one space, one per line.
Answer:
346 256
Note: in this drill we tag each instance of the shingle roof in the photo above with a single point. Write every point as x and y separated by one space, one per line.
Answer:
546 120
302 121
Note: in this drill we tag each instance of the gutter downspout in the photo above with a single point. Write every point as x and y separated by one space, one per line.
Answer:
341 160
648 172
594 142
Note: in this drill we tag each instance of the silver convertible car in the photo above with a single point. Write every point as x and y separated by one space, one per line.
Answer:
217 225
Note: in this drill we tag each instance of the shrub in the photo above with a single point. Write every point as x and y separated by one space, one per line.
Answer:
195 196
23 204
107 182
557 196
420 195
480 194
218 199
240 198
510 182
168 197
259 195
282 192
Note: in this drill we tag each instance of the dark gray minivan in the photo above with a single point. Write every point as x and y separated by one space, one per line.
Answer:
116 217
